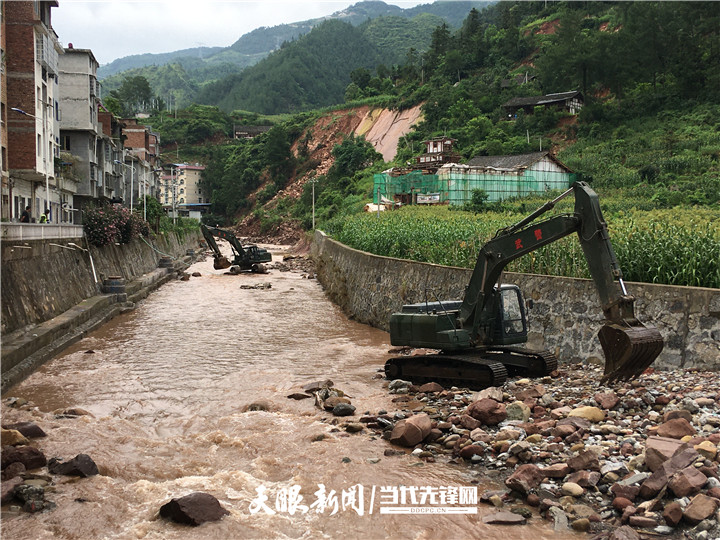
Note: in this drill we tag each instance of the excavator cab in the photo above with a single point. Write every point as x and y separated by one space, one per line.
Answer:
512 324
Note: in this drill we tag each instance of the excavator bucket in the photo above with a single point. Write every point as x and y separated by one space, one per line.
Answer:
629 349
221 263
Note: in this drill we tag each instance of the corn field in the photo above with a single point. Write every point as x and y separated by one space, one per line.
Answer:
673 247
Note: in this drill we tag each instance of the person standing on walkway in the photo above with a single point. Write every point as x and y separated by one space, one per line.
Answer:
25 216
45 218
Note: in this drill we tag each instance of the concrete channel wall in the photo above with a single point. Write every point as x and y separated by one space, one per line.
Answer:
52 291
564 314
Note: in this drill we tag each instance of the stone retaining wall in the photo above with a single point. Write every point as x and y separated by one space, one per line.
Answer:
43 278
563 316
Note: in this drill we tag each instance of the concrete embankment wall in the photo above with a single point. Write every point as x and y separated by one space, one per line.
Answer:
52 295
565 315
41 279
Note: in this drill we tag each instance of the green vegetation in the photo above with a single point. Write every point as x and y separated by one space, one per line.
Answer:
678 247
309 73
111 223
647 138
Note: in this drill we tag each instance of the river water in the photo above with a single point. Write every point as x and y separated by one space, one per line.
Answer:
188 393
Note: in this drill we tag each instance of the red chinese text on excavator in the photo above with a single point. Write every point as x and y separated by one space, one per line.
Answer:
478 336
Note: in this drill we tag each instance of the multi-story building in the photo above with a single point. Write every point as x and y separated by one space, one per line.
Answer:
32 108
143 150
81 133
182 191
113 152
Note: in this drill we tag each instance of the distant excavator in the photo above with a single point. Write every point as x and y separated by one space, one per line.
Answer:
245 258
476 335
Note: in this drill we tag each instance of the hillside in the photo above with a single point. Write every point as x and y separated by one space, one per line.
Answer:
647 134
203 64
315 70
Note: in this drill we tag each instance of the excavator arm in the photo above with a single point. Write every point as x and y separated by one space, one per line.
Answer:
629 346
221 261
246 258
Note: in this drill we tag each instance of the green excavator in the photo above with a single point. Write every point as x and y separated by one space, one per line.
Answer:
245 258
479 337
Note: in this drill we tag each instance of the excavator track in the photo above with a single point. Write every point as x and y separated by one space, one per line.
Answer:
464 371
519 361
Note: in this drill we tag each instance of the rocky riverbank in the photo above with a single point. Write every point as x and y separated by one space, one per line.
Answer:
636 460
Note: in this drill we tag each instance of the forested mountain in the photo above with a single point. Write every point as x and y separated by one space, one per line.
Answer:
203 64
315 70
649 73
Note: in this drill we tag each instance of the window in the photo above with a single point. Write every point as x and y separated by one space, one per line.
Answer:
512 312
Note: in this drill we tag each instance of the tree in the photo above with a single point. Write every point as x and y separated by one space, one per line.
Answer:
361 77
134 95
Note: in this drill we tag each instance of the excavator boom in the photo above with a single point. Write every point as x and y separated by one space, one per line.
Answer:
245 258
477 322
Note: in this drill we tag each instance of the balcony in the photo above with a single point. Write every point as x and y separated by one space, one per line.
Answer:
47 56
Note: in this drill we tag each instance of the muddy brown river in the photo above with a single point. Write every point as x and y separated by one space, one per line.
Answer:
188 393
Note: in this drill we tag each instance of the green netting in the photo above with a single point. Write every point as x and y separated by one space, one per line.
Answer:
457 186
412 183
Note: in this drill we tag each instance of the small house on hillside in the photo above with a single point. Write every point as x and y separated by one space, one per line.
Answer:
249 132
438 152
500 177
570 102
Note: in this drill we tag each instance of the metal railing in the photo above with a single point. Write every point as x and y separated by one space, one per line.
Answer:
38 231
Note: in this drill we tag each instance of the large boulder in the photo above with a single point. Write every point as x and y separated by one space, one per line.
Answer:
701 507
411 431
12 437
525 478
81 465
586 459
8 488
518 410
686 482
592 414
660 478
488 411
677 428
29 456
194 509
28 429
659 449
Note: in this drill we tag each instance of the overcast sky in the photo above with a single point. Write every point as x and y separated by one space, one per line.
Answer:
116 28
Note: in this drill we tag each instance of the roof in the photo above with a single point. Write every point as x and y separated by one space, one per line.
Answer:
516 162
542 100
439 139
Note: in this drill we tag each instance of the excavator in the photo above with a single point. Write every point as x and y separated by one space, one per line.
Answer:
244 258
478 336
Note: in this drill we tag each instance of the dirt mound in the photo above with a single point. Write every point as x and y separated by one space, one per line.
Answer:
383 128
286 233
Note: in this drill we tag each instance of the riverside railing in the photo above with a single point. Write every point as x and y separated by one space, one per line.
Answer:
38 231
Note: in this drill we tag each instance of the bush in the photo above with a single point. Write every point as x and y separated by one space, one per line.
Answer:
108 224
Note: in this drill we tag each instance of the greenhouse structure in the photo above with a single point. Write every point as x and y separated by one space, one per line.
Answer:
500 177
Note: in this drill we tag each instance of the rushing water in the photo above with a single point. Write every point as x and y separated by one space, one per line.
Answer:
188 393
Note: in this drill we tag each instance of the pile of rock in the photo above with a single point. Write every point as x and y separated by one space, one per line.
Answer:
327 397
297 263
23 481
642 455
